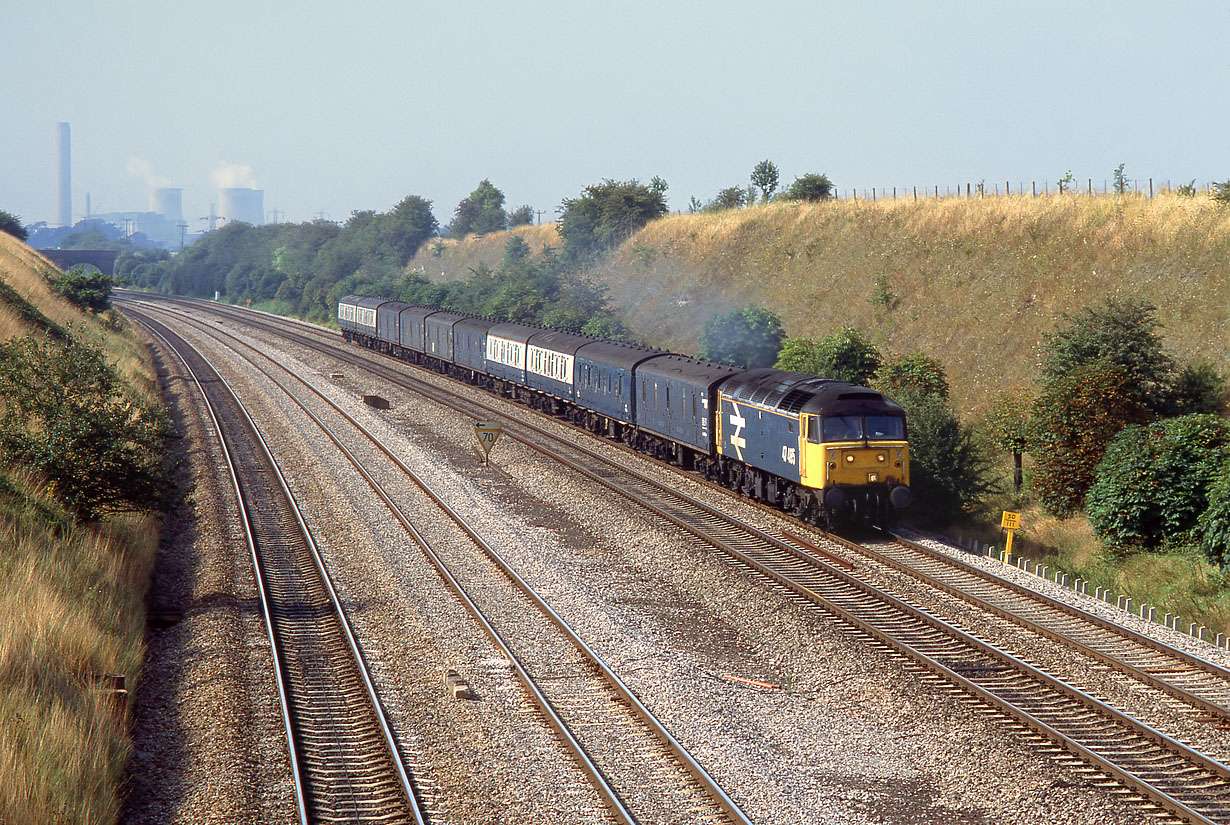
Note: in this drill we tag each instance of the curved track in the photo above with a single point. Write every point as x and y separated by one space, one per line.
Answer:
344 759
636 765
1174 776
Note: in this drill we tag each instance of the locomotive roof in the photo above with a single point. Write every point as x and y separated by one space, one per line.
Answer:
797 392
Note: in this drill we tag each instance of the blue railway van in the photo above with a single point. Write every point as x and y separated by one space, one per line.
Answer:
388 326
470 343
676 397
438 334
411 320
604 377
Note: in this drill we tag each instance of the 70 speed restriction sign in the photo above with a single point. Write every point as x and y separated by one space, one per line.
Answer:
487 434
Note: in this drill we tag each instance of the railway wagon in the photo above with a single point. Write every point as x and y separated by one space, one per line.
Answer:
412 332
388 325
470 349
506 349
604 385
356 315
676 397
550 364
438 335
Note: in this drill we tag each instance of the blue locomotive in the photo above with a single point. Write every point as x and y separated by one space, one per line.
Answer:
826 451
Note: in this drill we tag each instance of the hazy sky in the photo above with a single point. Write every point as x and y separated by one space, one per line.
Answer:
338 106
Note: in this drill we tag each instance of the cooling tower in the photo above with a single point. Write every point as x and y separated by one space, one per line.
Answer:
247 205
169 203
64 177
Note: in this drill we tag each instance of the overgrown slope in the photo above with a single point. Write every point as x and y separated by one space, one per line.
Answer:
71 599
974 283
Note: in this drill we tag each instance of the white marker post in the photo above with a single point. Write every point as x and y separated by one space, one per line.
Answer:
487 434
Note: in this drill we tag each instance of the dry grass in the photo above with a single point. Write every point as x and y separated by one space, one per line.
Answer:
448 259
975 283
71 608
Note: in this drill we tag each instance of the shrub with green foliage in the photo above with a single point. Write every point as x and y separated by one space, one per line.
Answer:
732 197
521 216
1073 421
1153 482
1006 425
1221 191
479 212
85 286
1123 332
1214 523
607 213
12 225
1198 388
948 474
914 371
844 355
748 337
810 187
68 417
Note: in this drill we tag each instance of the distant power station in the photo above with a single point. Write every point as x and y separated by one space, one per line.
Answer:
64 175
164 223
247 205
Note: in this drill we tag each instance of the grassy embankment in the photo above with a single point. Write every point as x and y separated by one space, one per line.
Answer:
71 601
974 283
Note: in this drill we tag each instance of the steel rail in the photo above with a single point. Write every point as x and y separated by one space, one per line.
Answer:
677 749
1112 769
406 786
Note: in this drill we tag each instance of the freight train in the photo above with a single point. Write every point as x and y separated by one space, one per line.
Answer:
826 451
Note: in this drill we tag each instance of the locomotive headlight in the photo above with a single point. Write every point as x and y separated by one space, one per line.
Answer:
879 456
850 457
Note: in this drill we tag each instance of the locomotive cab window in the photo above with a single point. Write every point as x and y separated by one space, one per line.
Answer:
843 427
891 427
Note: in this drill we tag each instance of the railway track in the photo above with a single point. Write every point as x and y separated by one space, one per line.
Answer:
344 762
1175 777
639 769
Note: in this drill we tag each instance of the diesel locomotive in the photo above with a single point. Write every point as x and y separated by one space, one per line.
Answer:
827 451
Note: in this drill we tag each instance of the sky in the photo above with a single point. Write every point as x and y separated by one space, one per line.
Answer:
333 107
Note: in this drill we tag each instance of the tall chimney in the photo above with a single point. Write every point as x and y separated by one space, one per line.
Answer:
64 192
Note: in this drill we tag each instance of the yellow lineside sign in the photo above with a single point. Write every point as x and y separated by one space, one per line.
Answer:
487 434
1011 521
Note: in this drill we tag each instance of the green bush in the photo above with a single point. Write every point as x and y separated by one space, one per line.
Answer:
1214 523
85 286
844 355
1006 425
914 371
1073 421
948 474
67 416
1153 482
748 337
810 187
607 213
11 224
1198 388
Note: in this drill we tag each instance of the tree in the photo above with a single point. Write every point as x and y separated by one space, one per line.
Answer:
1153 483
85 286
948 474
1198 388
1073 421
732 197
11 224
480 212
765 178
1121 184
844 355
521 216
1123 332
914 371
1007 426
810 187
748 337
67 417
608 213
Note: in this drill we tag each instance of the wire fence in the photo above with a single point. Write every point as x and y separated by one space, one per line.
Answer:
1032 188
